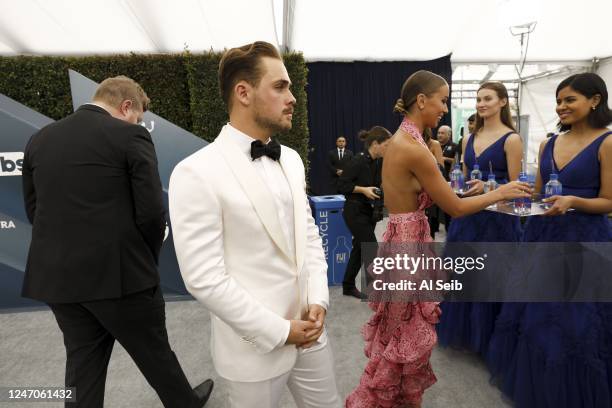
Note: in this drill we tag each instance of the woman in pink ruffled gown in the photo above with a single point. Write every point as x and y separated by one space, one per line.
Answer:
400 336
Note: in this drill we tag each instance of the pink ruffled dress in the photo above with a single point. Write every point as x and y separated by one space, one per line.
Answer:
400 336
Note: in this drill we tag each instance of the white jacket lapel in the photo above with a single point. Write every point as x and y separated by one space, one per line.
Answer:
257 192
299 203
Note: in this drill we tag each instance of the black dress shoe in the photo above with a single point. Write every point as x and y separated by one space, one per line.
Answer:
203 392
353 292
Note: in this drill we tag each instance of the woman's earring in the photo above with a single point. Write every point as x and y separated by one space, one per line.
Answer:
593 107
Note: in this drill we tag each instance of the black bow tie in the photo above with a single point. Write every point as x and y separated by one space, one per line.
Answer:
272 149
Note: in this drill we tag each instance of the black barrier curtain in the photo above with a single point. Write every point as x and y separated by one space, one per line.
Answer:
345 97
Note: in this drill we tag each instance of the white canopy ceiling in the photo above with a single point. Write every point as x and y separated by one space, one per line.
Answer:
472 30
44 27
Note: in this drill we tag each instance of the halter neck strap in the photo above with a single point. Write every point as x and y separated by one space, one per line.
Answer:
411 128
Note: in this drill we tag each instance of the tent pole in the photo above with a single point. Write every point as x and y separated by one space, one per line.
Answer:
288 13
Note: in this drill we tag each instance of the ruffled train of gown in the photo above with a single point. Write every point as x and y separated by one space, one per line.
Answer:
399 337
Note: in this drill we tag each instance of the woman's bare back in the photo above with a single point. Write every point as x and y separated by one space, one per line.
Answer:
399 184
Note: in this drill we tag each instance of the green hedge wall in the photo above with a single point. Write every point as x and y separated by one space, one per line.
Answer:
183 87
298 136
208 112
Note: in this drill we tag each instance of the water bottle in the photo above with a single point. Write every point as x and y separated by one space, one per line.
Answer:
476 174
490 184
340 256
522 205
456 179
553 187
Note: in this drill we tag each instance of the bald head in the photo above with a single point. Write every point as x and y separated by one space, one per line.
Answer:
444 134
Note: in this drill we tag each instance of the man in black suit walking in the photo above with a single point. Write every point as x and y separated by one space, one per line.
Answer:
93 195
337 160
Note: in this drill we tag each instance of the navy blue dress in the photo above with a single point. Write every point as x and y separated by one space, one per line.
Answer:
470 325
559 354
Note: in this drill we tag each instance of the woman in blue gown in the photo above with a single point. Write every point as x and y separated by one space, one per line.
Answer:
559 354
493 145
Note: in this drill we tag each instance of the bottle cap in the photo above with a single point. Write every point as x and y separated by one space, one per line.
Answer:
476 167
554 176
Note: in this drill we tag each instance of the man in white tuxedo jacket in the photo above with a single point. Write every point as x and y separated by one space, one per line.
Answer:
247 245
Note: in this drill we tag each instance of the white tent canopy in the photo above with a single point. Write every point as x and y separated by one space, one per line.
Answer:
69 27
472 30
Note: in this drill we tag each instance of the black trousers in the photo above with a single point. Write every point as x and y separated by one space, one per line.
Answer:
358 218
433 220
447 221
138 322
333 185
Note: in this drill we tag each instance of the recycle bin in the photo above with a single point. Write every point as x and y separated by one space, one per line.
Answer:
336 237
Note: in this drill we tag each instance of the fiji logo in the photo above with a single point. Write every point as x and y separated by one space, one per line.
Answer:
7 225
11 163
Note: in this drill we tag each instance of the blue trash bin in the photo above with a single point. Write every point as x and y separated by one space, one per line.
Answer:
336 237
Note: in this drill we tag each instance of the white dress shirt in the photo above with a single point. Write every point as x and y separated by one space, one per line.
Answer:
274 178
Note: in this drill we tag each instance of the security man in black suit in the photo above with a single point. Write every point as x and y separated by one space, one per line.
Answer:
360 183
337 160
93 195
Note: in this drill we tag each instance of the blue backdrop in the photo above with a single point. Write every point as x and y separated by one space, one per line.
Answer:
345 97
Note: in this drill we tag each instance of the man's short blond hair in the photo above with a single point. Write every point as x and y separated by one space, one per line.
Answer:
113 91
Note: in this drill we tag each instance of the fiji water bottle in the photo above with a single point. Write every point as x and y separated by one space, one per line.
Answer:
522 205
456 179
490 184
476 174
553 187
340 256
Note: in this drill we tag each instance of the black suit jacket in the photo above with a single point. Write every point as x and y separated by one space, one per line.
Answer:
449 150
334 163
93 195
362 171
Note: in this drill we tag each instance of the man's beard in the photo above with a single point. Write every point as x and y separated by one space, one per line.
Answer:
274 126
270 124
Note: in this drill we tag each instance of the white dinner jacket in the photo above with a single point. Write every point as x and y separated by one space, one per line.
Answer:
235 260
